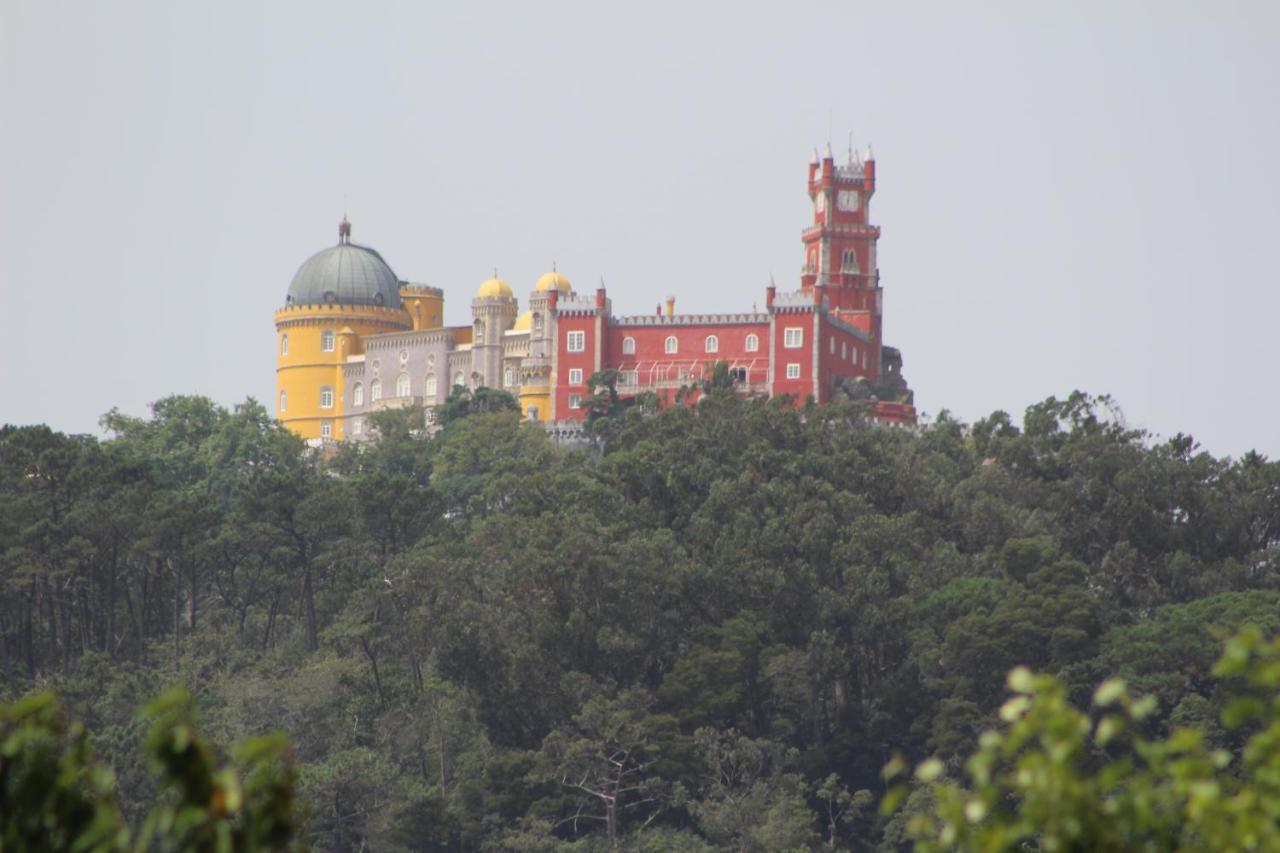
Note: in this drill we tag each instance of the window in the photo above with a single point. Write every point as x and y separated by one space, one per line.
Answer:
753 343
793 371
357 426
849 261
478 337
537 322
793 338
832 341
375 390
575 400
844 349
326 396
712 344
431 386
284 401
576 341
628 346
284 344
671 345
738 375
864 359
683 374
402 385
326 340
357 395
326 429
629 377
532 414
575 376
508 377
459 379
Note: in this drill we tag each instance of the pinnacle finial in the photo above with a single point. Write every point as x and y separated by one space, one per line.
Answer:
828 152
344 230
815 160
870 156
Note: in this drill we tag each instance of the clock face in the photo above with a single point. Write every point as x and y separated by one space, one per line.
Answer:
820 202
848 200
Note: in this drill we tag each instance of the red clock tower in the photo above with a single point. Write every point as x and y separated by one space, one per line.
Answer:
840 245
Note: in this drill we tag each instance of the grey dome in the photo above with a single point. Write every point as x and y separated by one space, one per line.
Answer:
345 274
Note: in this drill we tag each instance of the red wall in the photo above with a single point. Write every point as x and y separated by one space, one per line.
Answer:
566 361
782 356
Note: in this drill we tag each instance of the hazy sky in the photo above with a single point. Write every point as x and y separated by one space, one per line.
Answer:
1085 196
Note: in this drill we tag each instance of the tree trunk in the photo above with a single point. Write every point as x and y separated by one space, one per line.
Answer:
309 601
377 678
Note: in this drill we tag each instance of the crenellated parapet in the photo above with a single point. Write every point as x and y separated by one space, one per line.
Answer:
640 320
391 319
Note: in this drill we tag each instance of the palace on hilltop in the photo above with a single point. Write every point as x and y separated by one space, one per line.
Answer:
354 338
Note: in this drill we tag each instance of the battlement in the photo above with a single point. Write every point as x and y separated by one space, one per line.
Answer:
690 319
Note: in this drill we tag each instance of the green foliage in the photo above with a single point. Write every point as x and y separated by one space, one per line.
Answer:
1056 778
57 794
756 604
463 401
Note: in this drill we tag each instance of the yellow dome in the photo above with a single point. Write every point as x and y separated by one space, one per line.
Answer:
524 322
494 287
556 280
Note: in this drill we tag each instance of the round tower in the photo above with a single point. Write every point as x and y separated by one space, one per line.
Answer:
493 311
338 296
535 369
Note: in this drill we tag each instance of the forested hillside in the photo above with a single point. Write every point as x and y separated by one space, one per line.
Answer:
711 631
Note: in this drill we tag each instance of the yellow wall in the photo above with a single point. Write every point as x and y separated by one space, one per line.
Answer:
306 368
424 305
536 395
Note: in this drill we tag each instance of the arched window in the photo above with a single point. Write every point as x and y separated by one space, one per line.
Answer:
375 390
628 346
671 345
284 344
357 395
431 386
849 261
478 337
326 396
326 429
402 385
537 322
753 343
459 379
284 401
326 340
713 344
508 377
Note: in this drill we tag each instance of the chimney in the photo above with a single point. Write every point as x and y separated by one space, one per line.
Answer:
671 306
